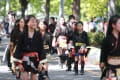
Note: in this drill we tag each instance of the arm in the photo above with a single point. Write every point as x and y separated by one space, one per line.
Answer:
42 56
19 49
87 39
49 42
55 36
12 39
104 53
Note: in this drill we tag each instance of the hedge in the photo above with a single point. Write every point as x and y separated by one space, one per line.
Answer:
95 38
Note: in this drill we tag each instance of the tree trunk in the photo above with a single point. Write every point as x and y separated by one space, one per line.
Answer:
24 4
61 8
47 9
111 8
23 11
76 9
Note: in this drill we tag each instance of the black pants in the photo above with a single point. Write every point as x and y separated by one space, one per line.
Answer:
82 66
108 70
70 60
8 54
62 59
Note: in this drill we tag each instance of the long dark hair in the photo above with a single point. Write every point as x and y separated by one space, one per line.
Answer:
74 23
17 26
45 23
113 20
79 22
27 19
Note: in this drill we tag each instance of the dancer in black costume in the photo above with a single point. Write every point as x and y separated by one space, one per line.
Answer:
46 45
110 51
80 41
28 52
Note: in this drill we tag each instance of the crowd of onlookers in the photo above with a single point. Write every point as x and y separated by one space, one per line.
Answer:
96 24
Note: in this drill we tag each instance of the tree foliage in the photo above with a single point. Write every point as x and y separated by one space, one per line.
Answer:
67 7
118 6
93 8
37 6
2 7
24 5
15 5
89 8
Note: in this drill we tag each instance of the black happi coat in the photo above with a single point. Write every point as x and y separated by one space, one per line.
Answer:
52 27
15 34
46 42
27 45
71 36
110 47
80 38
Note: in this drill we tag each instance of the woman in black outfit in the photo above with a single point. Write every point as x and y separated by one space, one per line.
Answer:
71 55
18 29
28 54
60 35
11 45
110 51
80 41
46 42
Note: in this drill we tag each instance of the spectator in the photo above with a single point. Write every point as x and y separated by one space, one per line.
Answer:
11 16
52 25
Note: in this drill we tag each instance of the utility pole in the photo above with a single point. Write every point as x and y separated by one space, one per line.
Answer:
111 8
7 6
61 8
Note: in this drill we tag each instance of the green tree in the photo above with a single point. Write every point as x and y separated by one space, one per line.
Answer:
118 7
2 7
93 8
24 4
68 7
47 9
76 9
37 6
54 7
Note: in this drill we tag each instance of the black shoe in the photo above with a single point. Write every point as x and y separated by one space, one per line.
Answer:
76 73
13 72
82 72
18 75
68 70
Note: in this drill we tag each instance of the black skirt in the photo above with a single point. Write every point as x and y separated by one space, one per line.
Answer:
31 65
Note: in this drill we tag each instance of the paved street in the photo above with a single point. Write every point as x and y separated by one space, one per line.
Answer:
92 72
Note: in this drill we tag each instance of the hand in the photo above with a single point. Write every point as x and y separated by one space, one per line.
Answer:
40 67
70 41
102 65
85 51
21 68
80 50
11 50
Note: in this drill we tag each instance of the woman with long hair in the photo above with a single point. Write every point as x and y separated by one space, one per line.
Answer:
110 50
80 41
71 55
14 39
10 46
28 53
60 36
46 45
